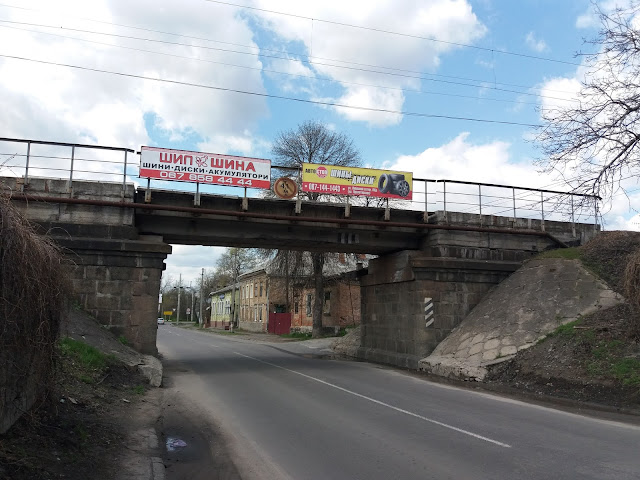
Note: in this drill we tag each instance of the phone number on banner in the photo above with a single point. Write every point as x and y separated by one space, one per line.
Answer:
210 179
338 189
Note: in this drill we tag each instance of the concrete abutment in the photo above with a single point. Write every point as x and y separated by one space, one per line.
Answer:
411 300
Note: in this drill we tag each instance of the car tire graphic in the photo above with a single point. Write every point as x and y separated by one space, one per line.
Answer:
384 183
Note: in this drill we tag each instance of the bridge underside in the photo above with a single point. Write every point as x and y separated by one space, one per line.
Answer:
272 223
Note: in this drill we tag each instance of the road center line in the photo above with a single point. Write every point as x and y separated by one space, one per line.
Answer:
378 402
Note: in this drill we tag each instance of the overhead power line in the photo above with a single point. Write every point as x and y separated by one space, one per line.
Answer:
409 35
486 85
266 95
267 70
309 58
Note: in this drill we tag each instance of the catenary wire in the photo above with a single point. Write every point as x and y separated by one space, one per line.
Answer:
309 57
266 95
379 30
392 71
267 70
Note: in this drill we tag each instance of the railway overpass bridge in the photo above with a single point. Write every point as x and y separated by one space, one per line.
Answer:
434 265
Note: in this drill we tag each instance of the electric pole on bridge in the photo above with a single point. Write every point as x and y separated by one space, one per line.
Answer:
200 322
179 295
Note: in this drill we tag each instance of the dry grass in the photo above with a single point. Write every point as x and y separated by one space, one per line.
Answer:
608 253
632 291
33 297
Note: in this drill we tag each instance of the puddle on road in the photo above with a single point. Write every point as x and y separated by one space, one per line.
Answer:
174 443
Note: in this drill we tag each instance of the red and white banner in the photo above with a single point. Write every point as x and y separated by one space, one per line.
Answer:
210 168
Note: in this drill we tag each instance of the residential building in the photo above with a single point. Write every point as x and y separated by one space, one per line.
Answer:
262 292
341 303
221 306
254 300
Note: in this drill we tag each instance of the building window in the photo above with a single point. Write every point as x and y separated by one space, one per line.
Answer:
327 302
296 307
260 288
261 308
309 298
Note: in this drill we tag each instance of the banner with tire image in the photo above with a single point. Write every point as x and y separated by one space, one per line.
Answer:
356 181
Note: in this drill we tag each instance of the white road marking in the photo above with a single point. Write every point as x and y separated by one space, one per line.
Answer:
378 402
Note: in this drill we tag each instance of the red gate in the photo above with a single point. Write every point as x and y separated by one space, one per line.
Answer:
279 323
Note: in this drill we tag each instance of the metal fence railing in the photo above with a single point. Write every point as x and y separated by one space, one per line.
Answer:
73 162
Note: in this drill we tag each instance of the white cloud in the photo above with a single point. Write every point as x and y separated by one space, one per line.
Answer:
332 45
489 162
589 19
558 92
535 44
65 104
189 260
463 160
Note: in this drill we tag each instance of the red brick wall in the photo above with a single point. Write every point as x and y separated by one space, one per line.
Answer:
342 308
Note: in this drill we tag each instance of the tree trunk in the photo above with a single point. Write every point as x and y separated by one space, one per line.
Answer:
318 281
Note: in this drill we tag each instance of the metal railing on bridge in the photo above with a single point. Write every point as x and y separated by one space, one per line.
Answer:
72 162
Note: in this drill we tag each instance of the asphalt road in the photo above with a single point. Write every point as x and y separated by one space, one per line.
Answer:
285 416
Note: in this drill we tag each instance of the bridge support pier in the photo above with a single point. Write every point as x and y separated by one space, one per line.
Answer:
118 281
411 301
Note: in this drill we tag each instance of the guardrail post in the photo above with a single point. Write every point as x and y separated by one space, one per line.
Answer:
147 192
480 202
573 220
124 175
26 167
542 207
513 194
196 198
70 186
426 202
245 201
444 199
595 222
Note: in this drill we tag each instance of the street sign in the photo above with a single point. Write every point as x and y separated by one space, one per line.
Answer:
188 311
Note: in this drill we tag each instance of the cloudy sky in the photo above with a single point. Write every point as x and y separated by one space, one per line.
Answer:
226 77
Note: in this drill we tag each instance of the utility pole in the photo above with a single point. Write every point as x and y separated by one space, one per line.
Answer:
233 288
179 295
192 302
201 297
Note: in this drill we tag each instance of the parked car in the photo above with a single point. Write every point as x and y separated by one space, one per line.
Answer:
160 321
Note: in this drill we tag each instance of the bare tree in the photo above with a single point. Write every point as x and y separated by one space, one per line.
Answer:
314 142
594 142
235 261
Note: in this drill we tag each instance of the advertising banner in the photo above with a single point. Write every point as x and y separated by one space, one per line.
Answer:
209 168
332 179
